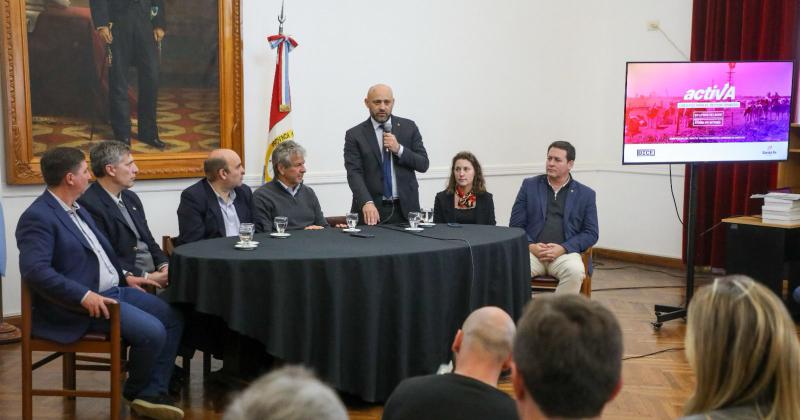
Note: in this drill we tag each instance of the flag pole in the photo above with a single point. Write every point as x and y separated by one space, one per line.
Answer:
280 123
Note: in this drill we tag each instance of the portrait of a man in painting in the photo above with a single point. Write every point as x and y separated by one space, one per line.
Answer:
144 72
164 76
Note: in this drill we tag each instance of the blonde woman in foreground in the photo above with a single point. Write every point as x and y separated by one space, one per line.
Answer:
743 348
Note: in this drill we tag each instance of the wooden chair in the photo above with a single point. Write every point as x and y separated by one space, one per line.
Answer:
549 283
110 344
168 246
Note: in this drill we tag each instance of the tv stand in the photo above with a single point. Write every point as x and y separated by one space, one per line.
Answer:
666 313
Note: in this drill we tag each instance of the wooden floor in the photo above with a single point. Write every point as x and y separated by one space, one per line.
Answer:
654 387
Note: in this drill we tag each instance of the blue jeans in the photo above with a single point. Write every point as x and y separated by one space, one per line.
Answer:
153 329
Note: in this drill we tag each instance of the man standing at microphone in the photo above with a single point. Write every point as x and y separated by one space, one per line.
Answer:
381 156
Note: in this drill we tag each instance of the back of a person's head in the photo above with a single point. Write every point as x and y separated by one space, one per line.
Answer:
489 331
742 345
568 353
289 393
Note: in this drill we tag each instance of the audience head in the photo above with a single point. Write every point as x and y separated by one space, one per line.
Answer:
567 358
465 171
743 348
112 160
380 101
289 393
65 166
560 159
224 169
289 162
487 335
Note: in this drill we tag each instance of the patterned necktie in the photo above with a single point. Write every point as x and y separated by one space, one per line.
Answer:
387 170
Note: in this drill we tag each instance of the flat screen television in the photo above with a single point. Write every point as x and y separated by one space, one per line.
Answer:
683 112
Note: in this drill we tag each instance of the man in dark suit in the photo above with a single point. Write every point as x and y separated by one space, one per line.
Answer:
559 215
215 206
119 213
381 156
133 30
65 257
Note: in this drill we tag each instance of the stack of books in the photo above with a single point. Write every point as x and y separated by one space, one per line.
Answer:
781 209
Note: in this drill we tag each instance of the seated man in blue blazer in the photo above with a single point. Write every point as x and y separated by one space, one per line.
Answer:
119 213
64 256
559 215
215 206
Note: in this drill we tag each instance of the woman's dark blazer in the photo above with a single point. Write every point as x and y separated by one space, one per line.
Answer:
444 212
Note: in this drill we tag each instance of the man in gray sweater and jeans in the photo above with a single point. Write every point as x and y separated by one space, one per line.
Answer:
286 195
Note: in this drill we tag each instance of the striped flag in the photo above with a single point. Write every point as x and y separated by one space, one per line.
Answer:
280 123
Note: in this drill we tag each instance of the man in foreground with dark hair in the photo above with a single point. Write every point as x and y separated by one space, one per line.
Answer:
559 215
63 256
567 358
215 206
482 349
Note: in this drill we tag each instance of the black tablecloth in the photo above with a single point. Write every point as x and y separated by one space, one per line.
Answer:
364 313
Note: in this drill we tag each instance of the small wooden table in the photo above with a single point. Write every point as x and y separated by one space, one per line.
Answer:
767 252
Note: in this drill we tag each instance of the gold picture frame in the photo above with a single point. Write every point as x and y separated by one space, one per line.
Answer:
22 167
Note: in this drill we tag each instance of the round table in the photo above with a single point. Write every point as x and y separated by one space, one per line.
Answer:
364 313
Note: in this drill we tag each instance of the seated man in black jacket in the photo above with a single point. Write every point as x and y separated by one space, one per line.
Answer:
215 206
119 213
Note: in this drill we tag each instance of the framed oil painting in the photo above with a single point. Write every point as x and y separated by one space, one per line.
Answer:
164 76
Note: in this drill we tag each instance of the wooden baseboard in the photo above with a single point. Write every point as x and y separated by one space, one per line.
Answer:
635 257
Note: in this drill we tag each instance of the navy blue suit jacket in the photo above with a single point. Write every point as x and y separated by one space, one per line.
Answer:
199 215
57 261
580 213
109 220
364 164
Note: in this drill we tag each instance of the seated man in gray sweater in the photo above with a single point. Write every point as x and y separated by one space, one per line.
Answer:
286 195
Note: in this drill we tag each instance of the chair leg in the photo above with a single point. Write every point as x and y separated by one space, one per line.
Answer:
186 364
68 372
27 383
206 364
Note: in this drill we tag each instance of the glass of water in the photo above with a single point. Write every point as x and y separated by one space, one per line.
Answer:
352 220
413 219
280 223
246 233
427 215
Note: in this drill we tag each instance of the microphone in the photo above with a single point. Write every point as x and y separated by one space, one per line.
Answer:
387 128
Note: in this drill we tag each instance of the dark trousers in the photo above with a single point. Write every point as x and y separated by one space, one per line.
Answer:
153 329
391 213
133 45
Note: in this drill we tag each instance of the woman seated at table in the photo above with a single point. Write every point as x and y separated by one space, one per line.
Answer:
743 348
465 200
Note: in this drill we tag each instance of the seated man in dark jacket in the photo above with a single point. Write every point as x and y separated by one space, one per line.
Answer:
559 216
119 213
215 206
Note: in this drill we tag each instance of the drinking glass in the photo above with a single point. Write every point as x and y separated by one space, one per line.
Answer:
280 223
427 215
352 220
413 219
246 233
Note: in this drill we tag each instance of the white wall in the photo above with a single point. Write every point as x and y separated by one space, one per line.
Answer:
501 79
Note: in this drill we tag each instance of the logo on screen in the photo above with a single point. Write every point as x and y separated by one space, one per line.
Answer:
769 151
645 152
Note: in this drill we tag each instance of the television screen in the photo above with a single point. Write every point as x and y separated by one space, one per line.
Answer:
707 111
